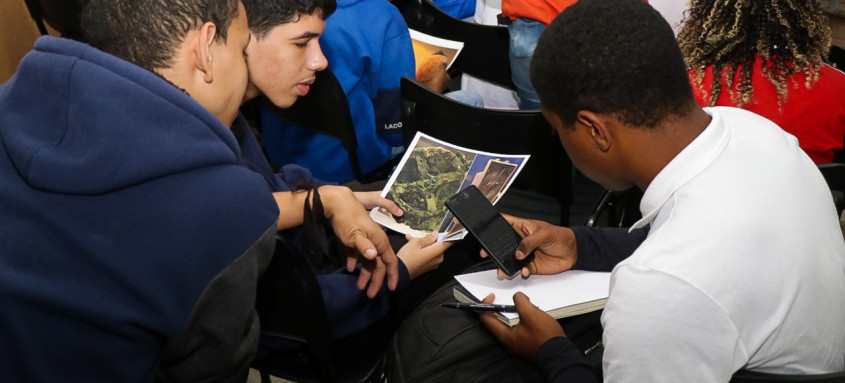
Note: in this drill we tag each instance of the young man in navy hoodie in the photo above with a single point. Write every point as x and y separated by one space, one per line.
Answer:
134 228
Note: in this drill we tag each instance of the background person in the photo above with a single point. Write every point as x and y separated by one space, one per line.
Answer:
768 57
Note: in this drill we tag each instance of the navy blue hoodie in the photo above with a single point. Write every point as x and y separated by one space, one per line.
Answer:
132 235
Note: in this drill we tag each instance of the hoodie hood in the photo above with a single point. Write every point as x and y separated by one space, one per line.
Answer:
76 120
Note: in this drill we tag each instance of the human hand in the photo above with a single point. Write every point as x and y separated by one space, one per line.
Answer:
374 199
422 255
432 73
535 327
554 247
354 227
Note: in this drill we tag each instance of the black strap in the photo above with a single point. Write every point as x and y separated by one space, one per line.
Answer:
321 243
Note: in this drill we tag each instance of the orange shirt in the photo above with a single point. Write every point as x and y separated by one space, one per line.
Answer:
543 11
540 10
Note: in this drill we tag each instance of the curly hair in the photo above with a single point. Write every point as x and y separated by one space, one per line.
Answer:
789 36
146 32
617 57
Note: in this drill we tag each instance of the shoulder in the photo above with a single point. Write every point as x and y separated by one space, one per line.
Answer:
218 211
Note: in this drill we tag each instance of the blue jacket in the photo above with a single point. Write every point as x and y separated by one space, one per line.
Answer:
368 47
459 9
133 236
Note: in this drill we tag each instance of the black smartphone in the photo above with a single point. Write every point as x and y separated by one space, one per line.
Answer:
484 222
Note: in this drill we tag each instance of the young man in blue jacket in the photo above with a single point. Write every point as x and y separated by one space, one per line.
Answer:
283 58
367 46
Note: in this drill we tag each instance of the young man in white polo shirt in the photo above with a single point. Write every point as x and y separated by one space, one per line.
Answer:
744 263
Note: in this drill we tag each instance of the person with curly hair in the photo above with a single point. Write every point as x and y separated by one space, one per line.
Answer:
768 57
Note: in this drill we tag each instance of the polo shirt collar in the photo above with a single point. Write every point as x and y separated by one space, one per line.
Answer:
700 153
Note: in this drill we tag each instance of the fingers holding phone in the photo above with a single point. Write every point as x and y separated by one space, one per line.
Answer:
553 247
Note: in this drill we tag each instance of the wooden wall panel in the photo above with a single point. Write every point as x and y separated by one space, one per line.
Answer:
17 35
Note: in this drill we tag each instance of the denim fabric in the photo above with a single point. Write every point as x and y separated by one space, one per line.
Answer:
523 39
466 97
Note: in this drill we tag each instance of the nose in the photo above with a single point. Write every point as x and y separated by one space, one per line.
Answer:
317 61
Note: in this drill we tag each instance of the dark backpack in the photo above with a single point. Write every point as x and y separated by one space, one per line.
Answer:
437 344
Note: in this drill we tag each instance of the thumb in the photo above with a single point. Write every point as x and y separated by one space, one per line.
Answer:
523 304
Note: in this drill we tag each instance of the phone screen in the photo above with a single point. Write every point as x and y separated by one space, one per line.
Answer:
483 221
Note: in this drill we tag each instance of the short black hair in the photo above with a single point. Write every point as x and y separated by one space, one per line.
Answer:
147 32
264 15
617 57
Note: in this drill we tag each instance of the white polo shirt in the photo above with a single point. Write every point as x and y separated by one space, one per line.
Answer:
744 265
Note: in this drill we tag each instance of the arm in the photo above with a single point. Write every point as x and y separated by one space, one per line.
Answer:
349 312
600 249
557 249
354 227
213 344
560 361
348 309
539 337
396 61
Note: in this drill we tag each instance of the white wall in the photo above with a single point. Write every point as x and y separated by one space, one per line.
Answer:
672 11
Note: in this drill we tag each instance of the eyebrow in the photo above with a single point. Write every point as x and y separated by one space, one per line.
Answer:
306 35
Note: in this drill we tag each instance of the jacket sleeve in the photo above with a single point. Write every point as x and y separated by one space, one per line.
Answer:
397 60
600 249
220 337
560 361
349 310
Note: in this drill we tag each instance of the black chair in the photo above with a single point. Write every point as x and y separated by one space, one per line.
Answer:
834 174
542 190
837 57
325 110
616 209
485 52
290 305
745 376
63 16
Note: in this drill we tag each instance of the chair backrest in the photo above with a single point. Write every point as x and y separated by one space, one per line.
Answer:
290 305
745 376
547 173
485 52
834 174
836 57
616 209
61 15
325 110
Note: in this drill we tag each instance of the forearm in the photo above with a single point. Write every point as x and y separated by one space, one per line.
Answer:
291 205
560 361
350 310
600 249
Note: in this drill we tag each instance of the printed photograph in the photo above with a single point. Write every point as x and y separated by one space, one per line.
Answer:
432 171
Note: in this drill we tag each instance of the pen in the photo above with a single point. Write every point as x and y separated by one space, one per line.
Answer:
480 307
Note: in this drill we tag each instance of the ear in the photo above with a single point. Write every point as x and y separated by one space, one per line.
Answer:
598 129
203 56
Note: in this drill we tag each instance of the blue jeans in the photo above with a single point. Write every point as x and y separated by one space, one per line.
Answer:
466 97
523 39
